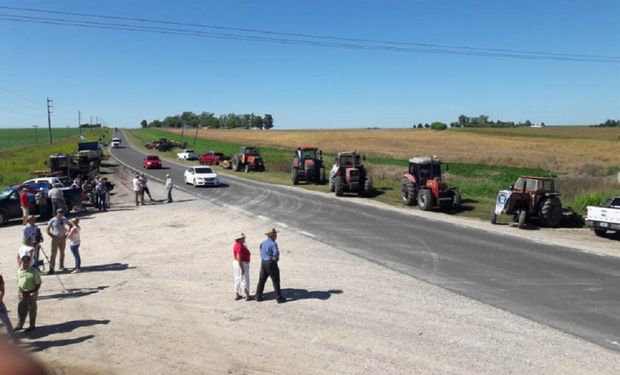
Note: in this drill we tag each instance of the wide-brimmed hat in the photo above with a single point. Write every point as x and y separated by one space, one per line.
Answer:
272 231
240 236
25 256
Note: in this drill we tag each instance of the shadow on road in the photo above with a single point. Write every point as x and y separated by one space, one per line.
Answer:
292 294
38 346
107 267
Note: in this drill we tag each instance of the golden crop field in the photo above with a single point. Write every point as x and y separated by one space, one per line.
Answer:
570 150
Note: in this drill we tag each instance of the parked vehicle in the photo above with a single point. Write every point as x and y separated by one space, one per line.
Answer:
423 184
50 181
201 176
187 154
308 166
604 217
10 207
248 159
349 175
212 158
529 199
151 161
116 142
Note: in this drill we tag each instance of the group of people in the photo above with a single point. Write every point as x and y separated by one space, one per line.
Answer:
269 255
96 191
60 230
140 188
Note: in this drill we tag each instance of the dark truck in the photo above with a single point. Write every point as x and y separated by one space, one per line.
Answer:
10 207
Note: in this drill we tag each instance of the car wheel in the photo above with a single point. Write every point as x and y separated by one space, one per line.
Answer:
599 231
4 217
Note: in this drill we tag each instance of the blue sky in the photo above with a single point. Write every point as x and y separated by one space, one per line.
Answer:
124 77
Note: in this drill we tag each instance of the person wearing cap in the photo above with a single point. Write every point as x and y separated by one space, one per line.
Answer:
241 268
74 242
29 283
40 199
57 229
269 256
169 187
57 197
6 328
137 189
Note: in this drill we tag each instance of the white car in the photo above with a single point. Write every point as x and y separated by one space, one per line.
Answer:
116 142
187 155
201 176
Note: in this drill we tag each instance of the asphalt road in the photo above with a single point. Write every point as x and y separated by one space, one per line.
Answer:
572 291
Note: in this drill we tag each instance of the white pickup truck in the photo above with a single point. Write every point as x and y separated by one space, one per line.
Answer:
605 217
187 154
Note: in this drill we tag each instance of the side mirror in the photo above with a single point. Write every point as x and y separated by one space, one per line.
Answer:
511 187
447 167
364 157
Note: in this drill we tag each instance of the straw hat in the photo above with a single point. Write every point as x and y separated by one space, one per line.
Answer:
240 237
272 231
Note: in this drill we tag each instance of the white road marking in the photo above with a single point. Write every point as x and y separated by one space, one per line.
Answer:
308 234
613 342
264 218
282 225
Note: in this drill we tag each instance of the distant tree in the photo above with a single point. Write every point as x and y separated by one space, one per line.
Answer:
256 121
463 121
144 123
208 120
267 121
438 126
155 124
542 124
420 126
455 124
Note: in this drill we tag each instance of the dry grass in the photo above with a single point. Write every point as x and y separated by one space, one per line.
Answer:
564 150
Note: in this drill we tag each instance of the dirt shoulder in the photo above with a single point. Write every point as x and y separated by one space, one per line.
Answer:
156 294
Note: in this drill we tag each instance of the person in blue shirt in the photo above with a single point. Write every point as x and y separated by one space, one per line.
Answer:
269 256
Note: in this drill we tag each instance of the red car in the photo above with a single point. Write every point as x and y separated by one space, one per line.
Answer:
151 161
212 158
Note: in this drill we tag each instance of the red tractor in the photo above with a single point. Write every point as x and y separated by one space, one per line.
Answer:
422 184
248 159
349 175
308 166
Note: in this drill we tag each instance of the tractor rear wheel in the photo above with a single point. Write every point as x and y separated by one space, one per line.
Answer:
338 188
294 176
425 199
456 199
599 231
368 187
407 193
522 219
551 212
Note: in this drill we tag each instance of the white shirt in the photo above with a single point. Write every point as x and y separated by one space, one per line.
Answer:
136 184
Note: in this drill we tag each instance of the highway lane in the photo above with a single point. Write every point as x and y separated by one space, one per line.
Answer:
573 291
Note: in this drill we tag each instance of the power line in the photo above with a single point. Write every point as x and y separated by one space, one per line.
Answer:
301 39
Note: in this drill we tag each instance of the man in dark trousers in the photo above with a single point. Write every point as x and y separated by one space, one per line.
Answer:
269 256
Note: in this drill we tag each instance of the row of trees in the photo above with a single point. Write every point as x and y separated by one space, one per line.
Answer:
481 121
609 124
209 120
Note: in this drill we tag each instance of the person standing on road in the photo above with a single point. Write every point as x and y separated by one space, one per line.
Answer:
29 283
137 189
40 198
145 189
57 197
269 256
241 268
6 328
169 187
74 242
57 230
29 231
25 205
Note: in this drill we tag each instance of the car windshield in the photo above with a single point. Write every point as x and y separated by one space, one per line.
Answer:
5 193
309 154
189 151
204 170
152 158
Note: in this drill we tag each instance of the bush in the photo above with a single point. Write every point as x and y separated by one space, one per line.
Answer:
438 126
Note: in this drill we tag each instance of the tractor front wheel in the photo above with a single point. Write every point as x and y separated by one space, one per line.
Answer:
456 199
368 187
425 199
551 212
331 185
599 231
338 188
493 216
235 164
294 176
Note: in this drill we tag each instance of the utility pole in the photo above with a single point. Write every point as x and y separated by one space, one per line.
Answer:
80 122
182 130
49 117
195 135
36 139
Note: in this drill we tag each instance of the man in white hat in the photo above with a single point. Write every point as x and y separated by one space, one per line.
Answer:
169 187
269 256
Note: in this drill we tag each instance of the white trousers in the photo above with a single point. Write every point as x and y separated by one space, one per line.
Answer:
242 282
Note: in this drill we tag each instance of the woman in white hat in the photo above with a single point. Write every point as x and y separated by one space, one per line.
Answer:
241 268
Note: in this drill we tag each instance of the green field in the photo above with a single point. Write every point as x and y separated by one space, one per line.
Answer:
478 183
23 137
19 163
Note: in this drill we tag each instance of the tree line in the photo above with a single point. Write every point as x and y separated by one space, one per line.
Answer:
608 124
209 120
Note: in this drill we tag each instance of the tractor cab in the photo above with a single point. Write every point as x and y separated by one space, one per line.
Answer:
348 159
250 151
425 168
